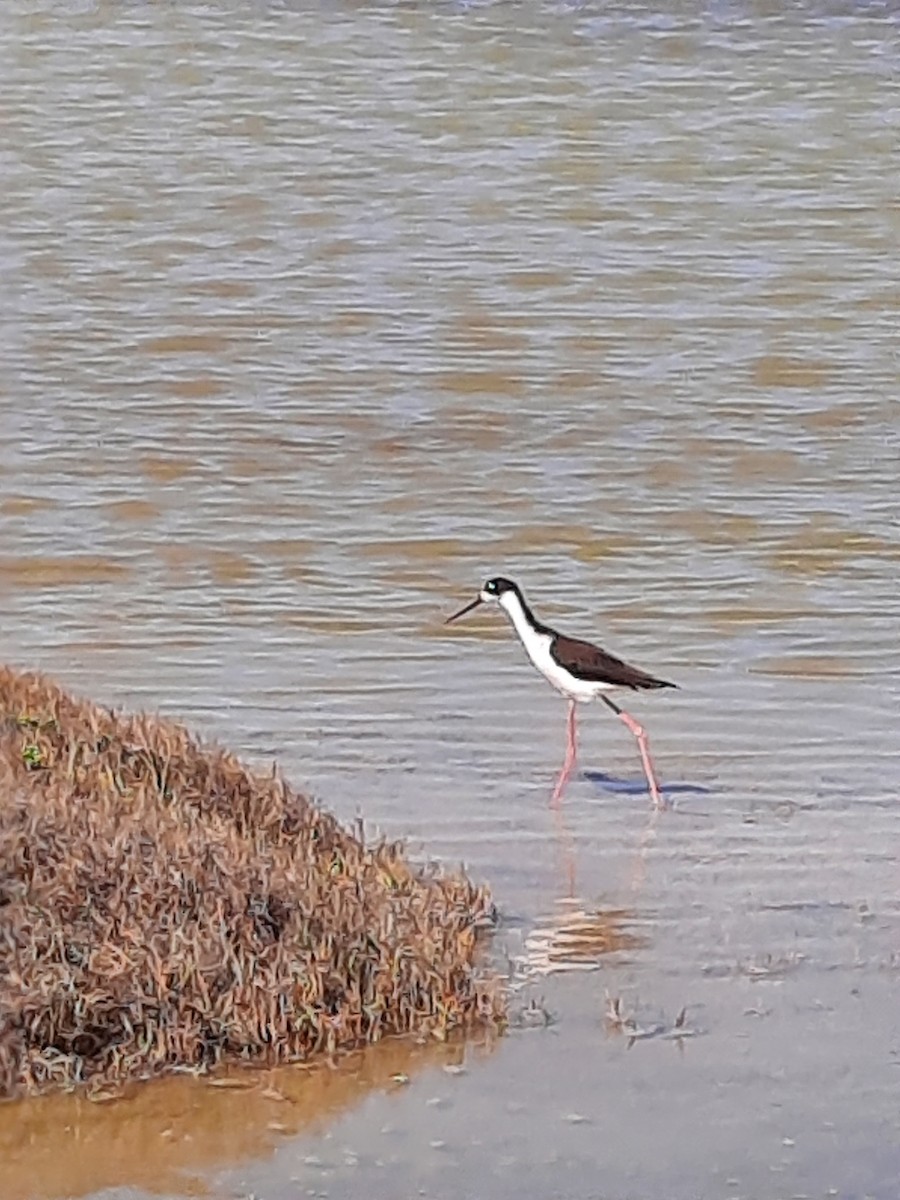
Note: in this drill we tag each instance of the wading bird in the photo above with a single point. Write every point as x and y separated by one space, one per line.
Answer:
579 670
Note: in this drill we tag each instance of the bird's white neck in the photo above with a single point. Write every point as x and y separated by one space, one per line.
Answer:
512 606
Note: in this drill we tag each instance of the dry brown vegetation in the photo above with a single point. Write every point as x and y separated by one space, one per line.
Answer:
163 907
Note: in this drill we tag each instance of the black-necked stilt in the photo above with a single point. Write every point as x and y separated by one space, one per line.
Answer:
579 670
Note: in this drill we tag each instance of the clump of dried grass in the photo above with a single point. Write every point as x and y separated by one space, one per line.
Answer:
162 906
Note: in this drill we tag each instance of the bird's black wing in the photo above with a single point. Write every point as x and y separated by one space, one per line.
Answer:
599 666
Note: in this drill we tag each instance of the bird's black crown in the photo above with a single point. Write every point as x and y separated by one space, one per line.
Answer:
498 585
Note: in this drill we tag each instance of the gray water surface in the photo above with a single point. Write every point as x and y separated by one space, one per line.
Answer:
315 316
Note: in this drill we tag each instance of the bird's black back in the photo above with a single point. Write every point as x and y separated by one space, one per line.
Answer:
594 665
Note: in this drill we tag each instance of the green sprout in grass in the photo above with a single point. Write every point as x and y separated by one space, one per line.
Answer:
32 756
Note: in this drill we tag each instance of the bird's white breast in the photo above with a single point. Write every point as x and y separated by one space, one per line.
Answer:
537 647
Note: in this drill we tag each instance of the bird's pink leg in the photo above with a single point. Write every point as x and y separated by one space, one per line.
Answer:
637 729
571 751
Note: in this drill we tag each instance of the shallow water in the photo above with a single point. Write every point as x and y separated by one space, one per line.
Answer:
314 318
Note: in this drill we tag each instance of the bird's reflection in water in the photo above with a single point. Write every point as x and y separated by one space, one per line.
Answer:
564 845
577 936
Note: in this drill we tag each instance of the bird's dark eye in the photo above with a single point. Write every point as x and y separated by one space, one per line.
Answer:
490 586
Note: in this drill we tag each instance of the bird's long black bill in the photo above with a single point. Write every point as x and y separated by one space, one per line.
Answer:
462 612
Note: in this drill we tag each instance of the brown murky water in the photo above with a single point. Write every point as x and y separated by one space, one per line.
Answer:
312 318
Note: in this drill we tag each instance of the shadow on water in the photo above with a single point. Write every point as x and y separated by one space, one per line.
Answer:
635 787
164 1136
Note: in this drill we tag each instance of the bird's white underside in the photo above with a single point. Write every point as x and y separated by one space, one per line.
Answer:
537 647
